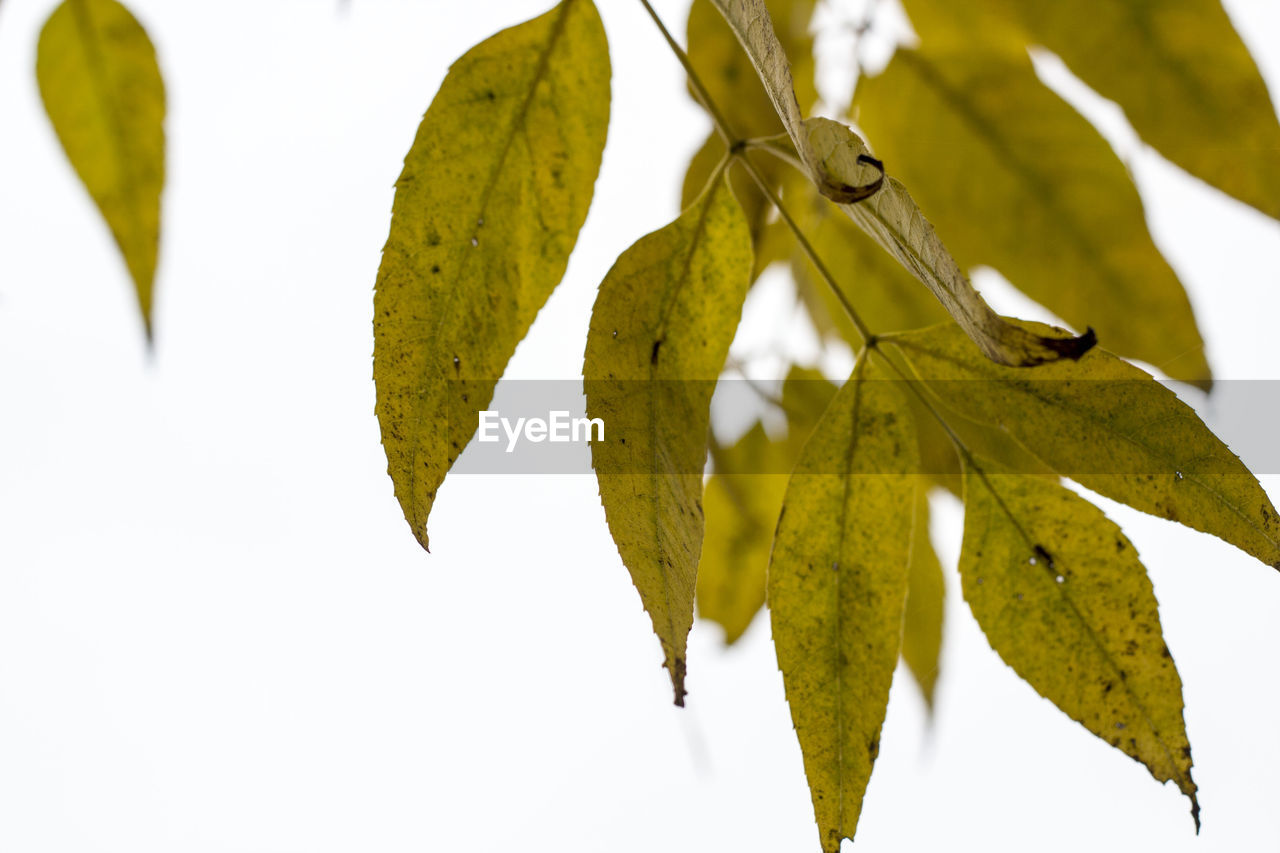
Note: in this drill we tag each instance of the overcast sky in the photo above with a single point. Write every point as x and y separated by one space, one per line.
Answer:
217 633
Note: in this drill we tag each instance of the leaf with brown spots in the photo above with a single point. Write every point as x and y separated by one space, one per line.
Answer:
1062 597
838 585
1109 426
487 209
660 331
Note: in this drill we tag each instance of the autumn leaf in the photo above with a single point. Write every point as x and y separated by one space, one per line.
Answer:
892 218
838 586
1212 115
742 499
104 94
926 597
977 136
1110 427
487 209
660 331
1061 595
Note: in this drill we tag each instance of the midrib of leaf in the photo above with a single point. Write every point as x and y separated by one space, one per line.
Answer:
544 61
1008 158
1214 494
1061 592
839 621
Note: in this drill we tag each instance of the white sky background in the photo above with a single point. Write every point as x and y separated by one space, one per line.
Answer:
217 634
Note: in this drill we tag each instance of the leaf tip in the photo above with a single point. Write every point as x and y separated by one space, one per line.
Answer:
676 666
1195 810
1073 348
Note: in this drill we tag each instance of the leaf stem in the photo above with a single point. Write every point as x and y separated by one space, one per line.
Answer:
866 334
699 89
737 151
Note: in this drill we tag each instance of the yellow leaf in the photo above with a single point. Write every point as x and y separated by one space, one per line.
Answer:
1110 427
742 499
926 595
1016 179
770 239
1182 75
837 588
105 97
1062 597
487 209
892 218
660 331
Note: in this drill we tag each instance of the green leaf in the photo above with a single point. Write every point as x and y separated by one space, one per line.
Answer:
104 94
742 500
1184 78
660 331
1062 597
926 596
892 218
837 588
1110 427
487 209
1018 180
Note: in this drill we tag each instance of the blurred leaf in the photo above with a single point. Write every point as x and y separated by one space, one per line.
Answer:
742 499
1061 595
1110 427
926 595
660 332
487 209
837 588
1017 179
1184 78
104 94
